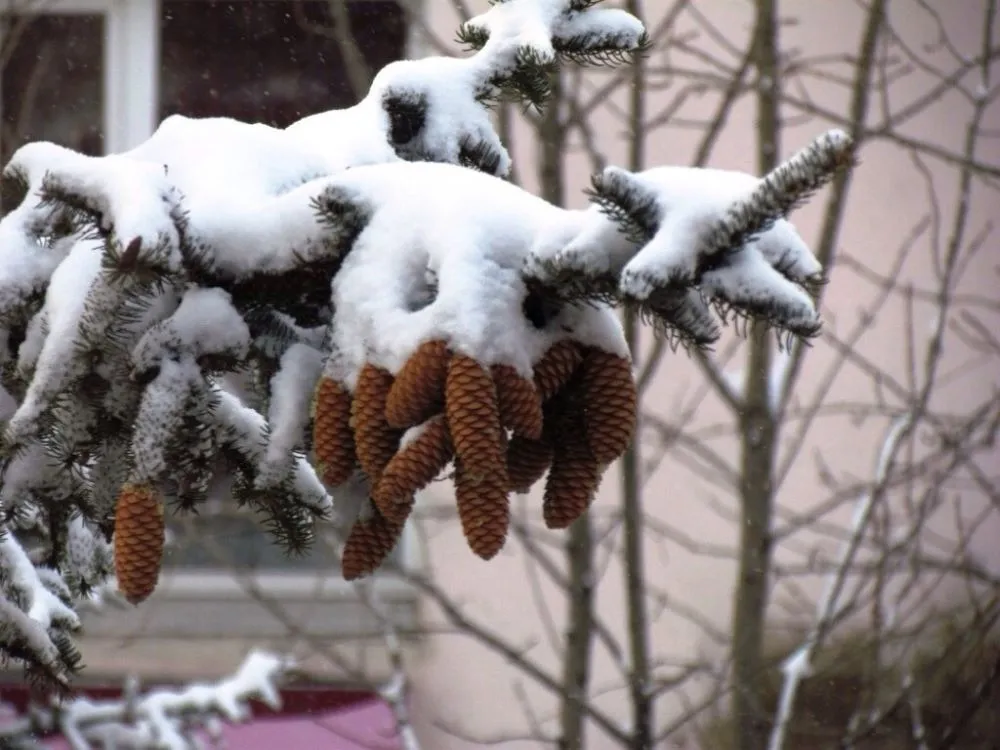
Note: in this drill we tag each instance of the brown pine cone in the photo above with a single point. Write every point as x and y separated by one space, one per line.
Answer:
609 394
418 393
374 439
556 367
483 509
412 469
519 402
333 440
527 461
574 475
474 419
369 544
139 530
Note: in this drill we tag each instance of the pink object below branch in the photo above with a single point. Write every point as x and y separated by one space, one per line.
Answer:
368 726
311 718
363 726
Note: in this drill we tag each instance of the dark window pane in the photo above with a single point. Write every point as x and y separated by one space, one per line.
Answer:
234 539
53 82
270 61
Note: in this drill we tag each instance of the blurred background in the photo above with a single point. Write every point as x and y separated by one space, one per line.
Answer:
837 502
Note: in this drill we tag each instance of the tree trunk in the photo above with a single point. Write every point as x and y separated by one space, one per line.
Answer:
758 437
576 656
579 634
633 528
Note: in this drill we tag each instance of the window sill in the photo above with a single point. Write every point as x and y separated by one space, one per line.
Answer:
276 605
215 585
272 607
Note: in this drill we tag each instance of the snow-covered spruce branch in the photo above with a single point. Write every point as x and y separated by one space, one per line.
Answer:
161 199
330 267
687 238
161 719
35 617
455 276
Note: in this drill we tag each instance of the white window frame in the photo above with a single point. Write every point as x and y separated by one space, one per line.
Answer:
130 64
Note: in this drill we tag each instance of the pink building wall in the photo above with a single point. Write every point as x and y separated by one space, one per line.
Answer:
461 687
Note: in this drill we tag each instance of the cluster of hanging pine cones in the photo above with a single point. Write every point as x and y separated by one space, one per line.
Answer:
501 430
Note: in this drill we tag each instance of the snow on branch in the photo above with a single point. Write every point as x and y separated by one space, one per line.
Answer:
35 619
161 719
690 236
436 108
533 34
394 311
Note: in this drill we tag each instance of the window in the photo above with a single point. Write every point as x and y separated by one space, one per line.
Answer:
224 536
97 76
124 65
270 61
80 73
274 62
52 81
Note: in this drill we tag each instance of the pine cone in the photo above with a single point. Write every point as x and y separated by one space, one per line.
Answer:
375 440
519 402
483 509
418 393
527 461
609 395
412 469
574 475
369 544
474 419
139 530
556 367
333 440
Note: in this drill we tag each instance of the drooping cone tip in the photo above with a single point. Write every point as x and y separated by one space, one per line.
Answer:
369 544
610 401
412 469
483 509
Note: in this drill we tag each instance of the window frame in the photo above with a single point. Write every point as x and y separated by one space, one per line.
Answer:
303 592
132 56
214 584
131 109
129 67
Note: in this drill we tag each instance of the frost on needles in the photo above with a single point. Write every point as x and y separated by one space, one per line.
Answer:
397 305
